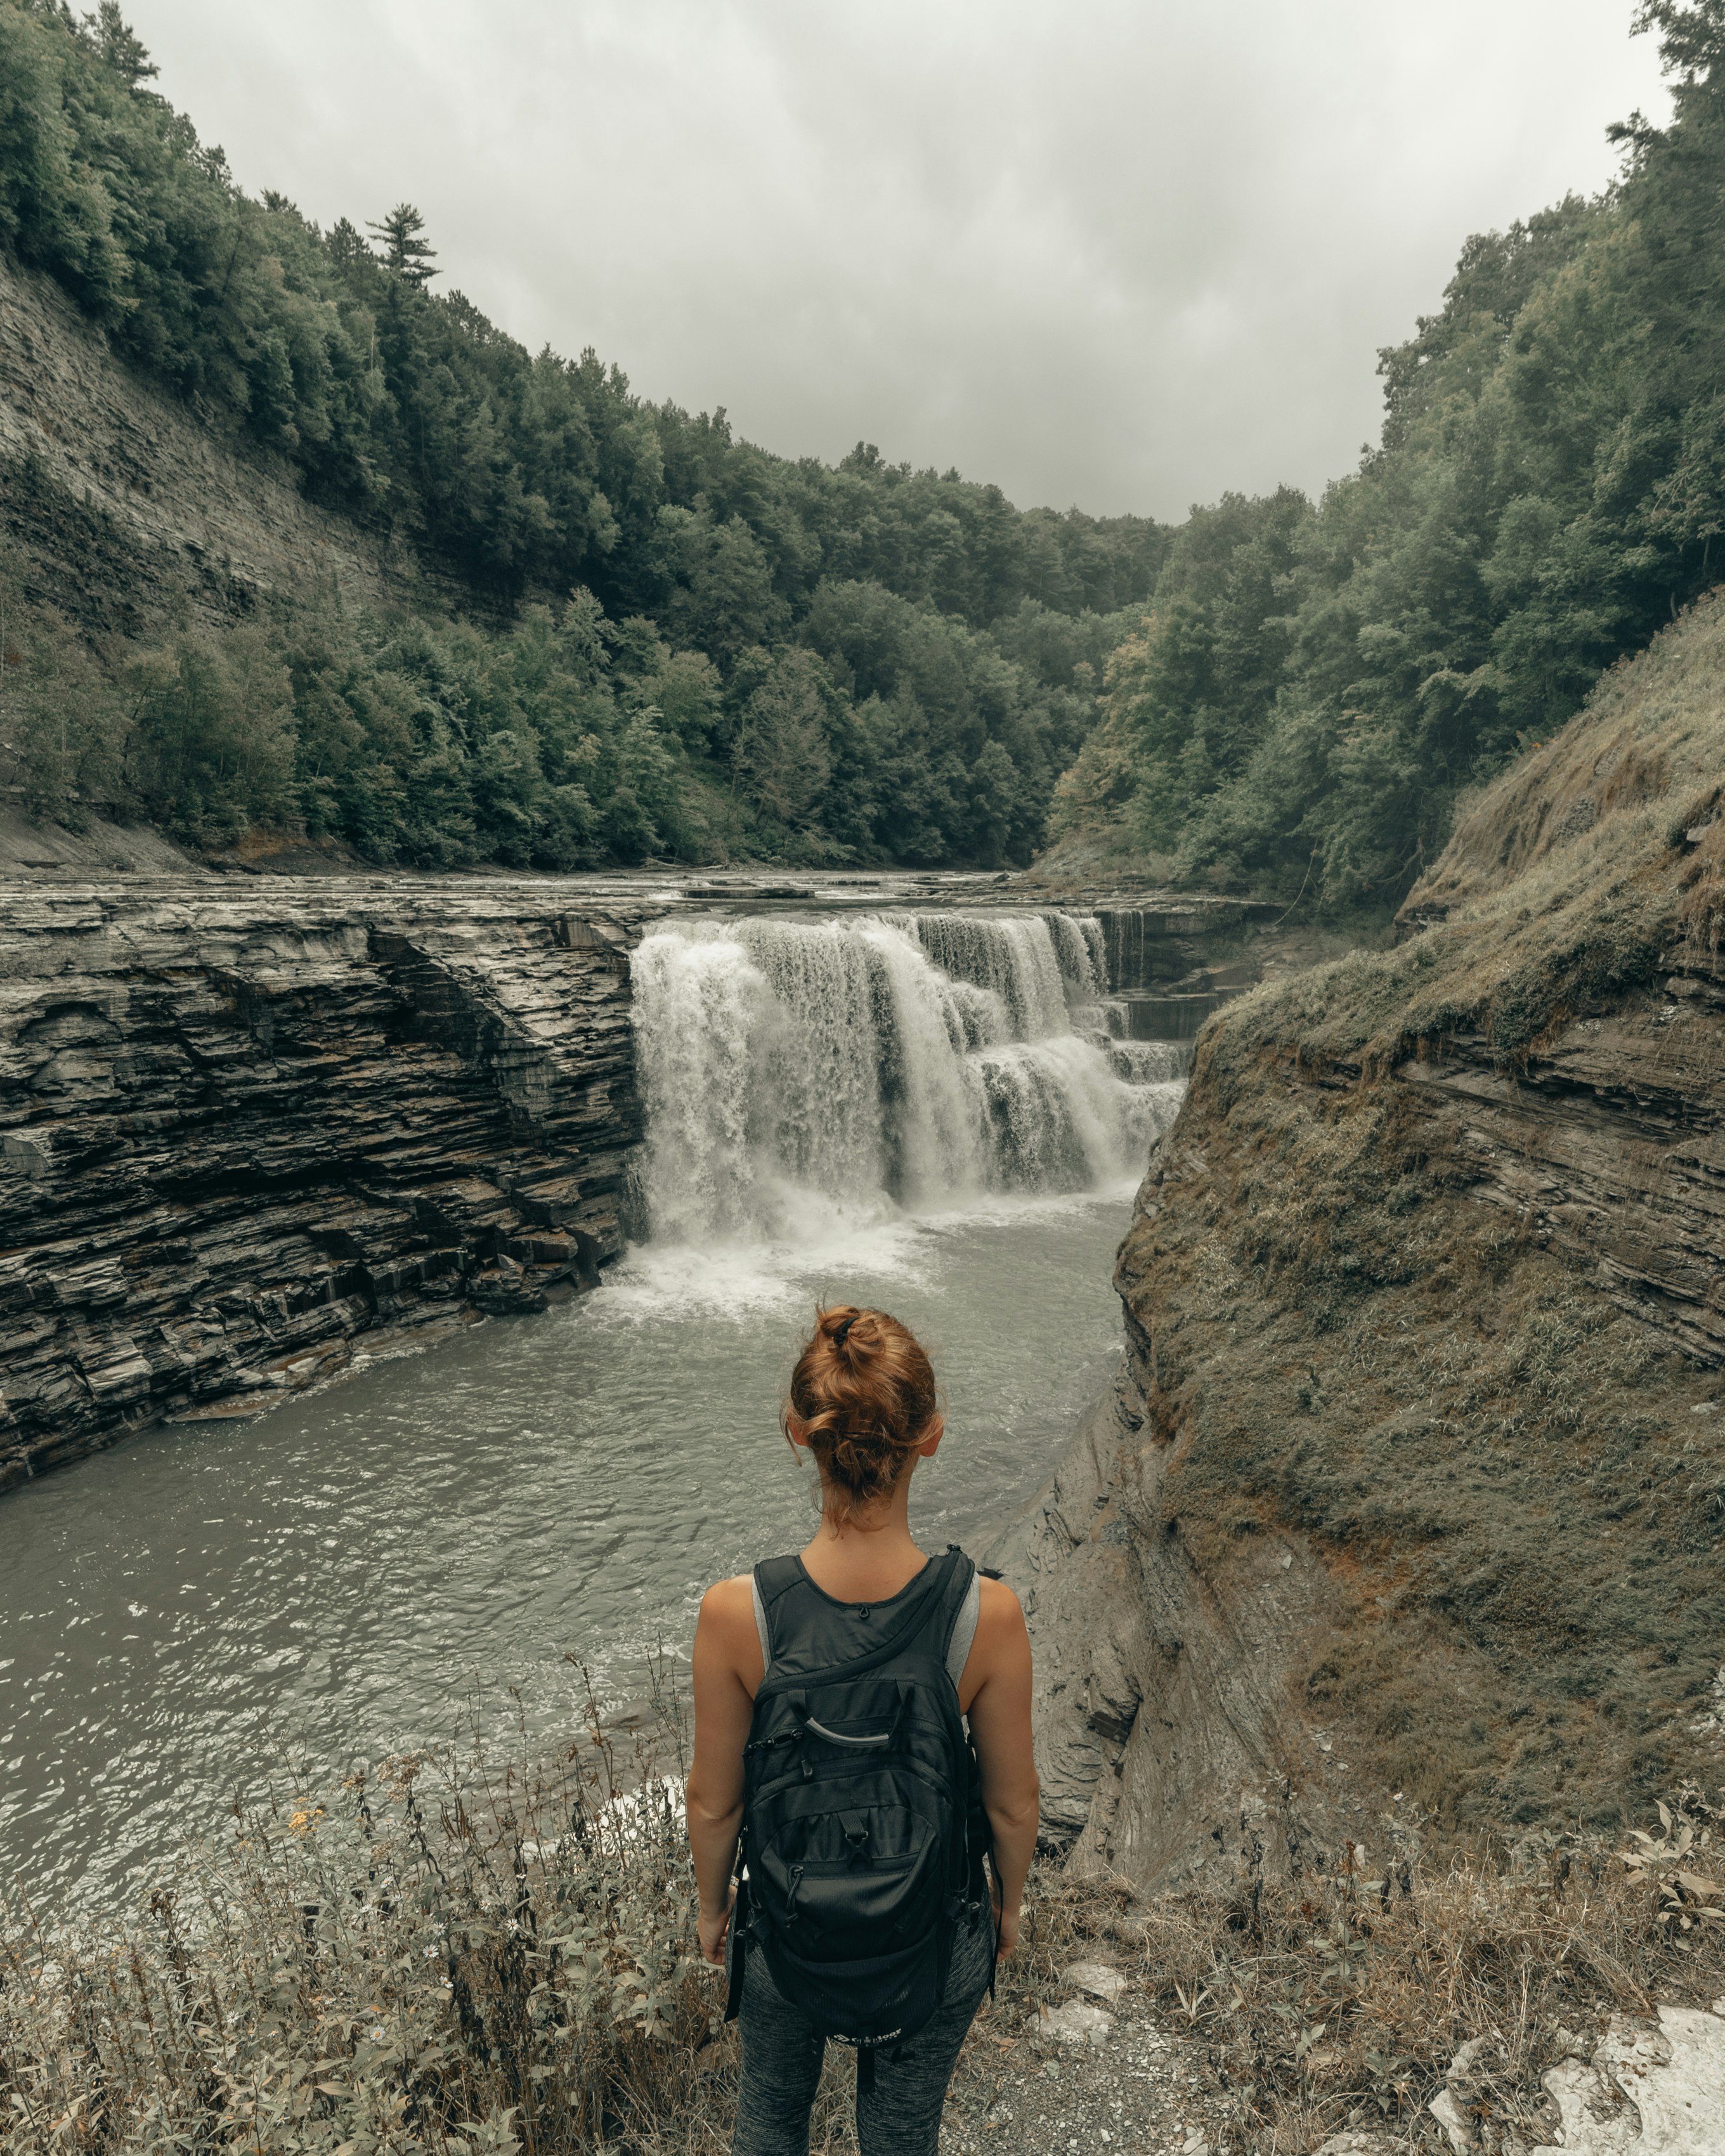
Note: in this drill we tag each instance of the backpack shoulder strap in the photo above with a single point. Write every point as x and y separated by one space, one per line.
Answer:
956 1603
772 1577
962 1636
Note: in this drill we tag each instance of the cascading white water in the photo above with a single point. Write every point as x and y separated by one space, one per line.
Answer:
791 1070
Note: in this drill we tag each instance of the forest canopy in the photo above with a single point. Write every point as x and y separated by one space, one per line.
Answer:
1313 685
673 641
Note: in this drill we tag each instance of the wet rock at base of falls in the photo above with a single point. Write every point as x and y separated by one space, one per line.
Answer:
247 1129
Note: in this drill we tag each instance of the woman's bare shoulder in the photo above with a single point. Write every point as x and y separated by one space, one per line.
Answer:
1000 1633
1000 1653
726 1628
999 1608
728 1603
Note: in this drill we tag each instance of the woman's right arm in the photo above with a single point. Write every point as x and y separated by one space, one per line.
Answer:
998 1666
727 1671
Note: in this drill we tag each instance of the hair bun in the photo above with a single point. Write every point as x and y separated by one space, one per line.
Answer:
861 1415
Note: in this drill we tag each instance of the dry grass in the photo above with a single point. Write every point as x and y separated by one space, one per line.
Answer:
458 1955
455 1954
1321 2002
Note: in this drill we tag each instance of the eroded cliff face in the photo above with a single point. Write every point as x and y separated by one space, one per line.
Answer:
242 1127
1411 1498
1166 1741
129 507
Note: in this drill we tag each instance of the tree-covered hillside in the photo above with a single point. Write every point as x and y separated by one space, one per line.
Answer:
1313 686
687 644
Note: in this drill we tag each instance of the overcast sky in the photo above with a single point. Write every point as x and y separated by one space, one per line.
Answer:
1124 255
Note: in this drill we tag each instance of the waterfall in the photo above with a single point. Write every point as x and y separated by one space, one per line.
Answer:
795 1069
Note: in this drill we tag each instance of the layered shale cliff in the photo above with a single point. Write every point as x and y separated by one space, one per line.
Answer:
129 507
241 1125
1411 1497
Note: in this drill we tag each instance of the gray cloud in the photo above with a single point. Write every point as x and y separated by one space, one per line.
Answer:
1124 255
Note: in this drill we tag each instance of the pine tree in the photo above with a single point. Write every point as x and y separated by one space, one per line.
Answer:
120 46
346 245
400 237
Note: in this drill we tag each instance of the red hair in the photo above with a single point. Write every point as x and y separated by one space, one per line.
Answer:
862 1400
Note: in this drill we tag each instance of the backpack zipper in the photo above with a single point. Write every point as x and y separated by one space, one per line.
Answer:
767 1743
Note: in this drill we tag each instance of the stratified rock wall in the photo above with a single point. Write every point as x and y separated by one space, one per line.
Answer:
1167 1735
128 503
241 1125
1411 1502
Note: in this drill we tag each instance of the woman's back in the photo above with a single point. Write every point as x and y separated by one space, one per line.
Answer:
997 1647
848 1814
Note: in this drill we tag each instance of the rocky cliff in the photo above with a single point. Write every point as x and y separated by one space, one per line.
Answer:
240 1127
128 506
1411 1497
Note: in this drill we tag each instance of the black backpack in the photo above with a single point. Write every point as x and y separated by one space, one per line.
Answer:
863 1830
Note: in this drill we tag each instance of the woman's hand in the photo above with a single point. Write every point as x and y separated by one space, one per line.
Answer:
712 1930
1006 1921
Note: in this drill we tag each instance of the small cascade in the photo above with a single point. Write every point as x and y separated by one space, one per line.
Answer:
793 1071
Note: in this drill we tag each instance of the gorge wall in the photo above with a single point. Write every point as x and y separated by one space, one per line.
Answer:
243 1122
1410 1501
128 506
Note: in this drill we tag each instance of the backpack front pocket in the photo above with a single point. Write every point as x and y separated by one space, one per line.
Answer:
847 1886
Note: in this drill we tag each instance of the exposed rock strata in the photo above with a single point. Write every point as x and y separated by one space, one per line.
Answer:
125 501
239 1126
1608 1147
1166 1736
1419 1450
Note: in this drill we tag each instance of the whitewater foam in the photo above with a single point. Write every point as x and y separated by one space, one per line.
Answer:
809 1082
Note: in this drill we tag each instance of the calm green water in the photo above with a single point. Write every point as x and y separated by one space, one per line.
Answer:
207 1609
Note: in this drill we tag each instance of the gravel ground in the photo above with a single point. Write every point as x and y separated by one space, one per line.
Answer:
1144 2089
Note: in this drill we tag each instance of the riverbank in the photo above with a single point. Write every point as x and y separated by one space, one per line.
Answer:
459 1948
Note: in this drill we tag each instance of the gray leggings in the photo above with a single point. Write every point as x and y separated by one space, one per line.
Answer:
900 2116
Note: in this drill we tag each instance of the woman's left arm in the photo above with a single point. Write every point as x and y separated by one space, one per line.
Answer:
727 1649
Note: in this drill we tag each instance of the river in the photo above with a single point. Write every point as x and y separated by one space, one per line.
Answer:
931 1113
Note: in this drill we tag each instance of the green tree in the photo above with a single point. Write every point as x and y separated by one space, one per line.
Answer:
120 49
212 746
781 754
401 236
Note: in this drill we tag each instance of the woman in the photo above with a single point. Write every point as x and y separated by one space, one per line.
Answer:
863 1403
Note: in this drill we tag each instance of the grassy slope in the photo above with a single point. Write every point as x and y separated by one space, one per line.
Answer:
1500 1469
